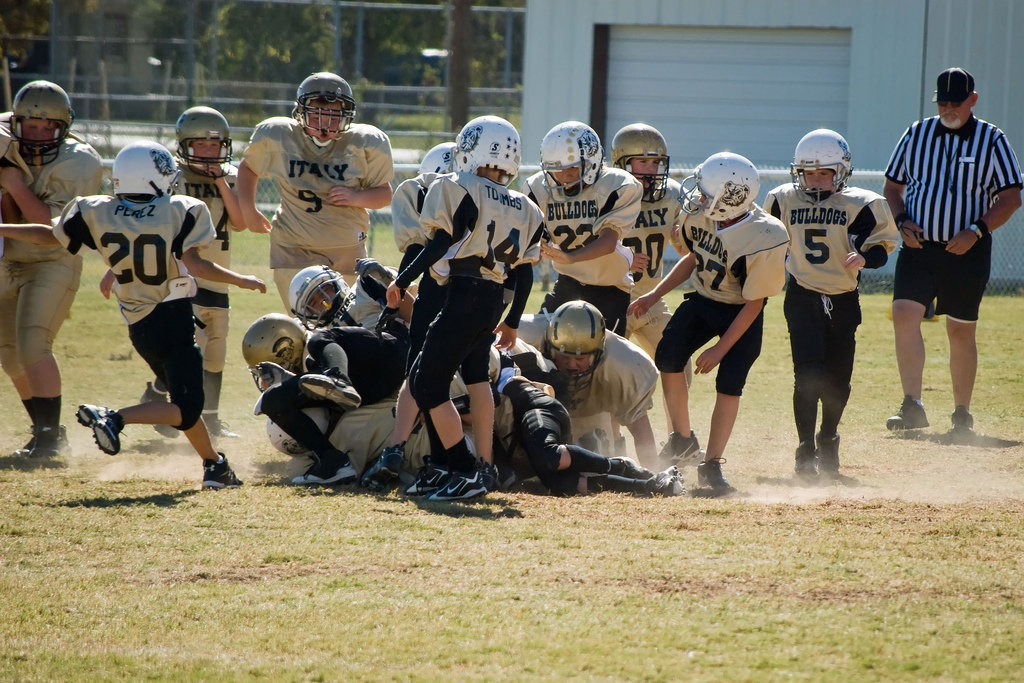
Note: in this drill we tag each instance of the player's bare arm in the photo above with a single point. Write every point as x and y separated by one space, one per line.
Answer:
246 193
33 209
679 274
371 198
208 270
643 439
236 219
34 233
709 360
603 245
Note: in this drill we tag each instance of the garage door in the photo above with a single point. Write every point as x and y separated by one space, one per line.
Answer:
752 91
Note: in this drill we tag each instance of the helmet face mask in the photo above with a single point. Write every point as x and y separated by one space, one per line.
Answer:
488 142
41 119
319 296
325 107
821 149
640 142
274 338
571 144
144 170
574 336
723 188
203 127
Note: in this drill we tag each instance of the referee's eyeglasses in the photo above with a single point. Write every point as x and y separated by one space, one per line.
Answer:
949 104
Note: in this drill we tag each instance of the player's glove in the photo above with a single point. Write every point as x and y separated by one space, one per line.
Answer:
375 269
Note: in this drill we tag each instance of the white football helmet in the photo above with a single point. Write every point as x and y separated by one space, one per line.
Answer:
722 188
570 144
821 148
280 440
318 295
488 142
144 168
438 159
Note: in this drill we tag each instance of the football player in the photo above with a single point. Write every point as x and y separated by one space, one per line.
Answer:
537 423
342 366
738 254
480 234
835 231
329 172
589 209
599 373
204 157
411 239
150 238
641 150
43 171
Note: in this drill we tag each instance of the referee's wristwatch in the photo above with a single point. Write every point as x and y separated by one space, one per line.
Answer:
976 230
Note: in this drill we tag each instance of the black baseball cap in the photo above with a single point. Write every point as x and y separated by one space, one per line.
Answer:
953 85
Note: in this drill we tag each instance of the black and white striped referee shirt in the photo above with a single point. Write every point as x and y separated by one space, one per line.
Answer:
951 176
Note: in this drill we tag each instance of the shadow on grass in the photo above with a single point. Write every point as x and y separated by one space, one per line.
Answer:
163 500
952 438
26 464
820 482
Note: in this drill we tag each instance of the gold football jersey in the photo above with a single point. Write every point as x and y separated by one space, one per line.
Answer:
494 229
612 202
205 189
406 204
305 173
77 171
652 236
743 262
823 233
623 383
141 243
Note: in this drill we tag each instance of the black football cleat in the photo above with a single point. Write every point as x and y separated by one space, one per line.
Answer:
219 475
106 426
910 416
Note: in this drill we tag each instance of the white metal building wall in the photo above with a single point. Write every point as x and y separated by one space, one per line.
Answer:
753 91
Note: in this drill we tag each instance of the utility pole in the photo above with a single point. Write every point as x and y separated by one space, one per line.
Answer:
458 62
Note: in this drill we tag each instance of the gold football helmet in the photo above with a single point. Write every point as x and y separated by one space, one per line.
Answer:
324 88
576 329
46 101
275 338
202 123
640 141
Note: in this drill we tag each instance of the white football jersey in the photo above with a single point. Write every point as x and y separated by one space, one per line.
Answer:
743 262
305 174
823 233
494 229
141 243
406 204
611 203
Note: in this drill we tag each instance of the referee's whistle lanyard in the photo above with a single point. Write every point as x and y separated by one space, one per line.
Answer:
950 163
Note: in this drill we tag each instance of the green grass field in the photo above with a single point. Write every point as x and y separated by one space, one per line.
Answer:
117 568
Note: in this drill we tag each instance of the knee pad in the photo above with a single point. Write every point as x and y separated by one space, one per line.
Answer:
34 344
10 362
190 403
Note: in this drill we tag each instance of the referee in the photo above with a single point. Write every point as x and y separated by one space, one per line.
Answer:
951 181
